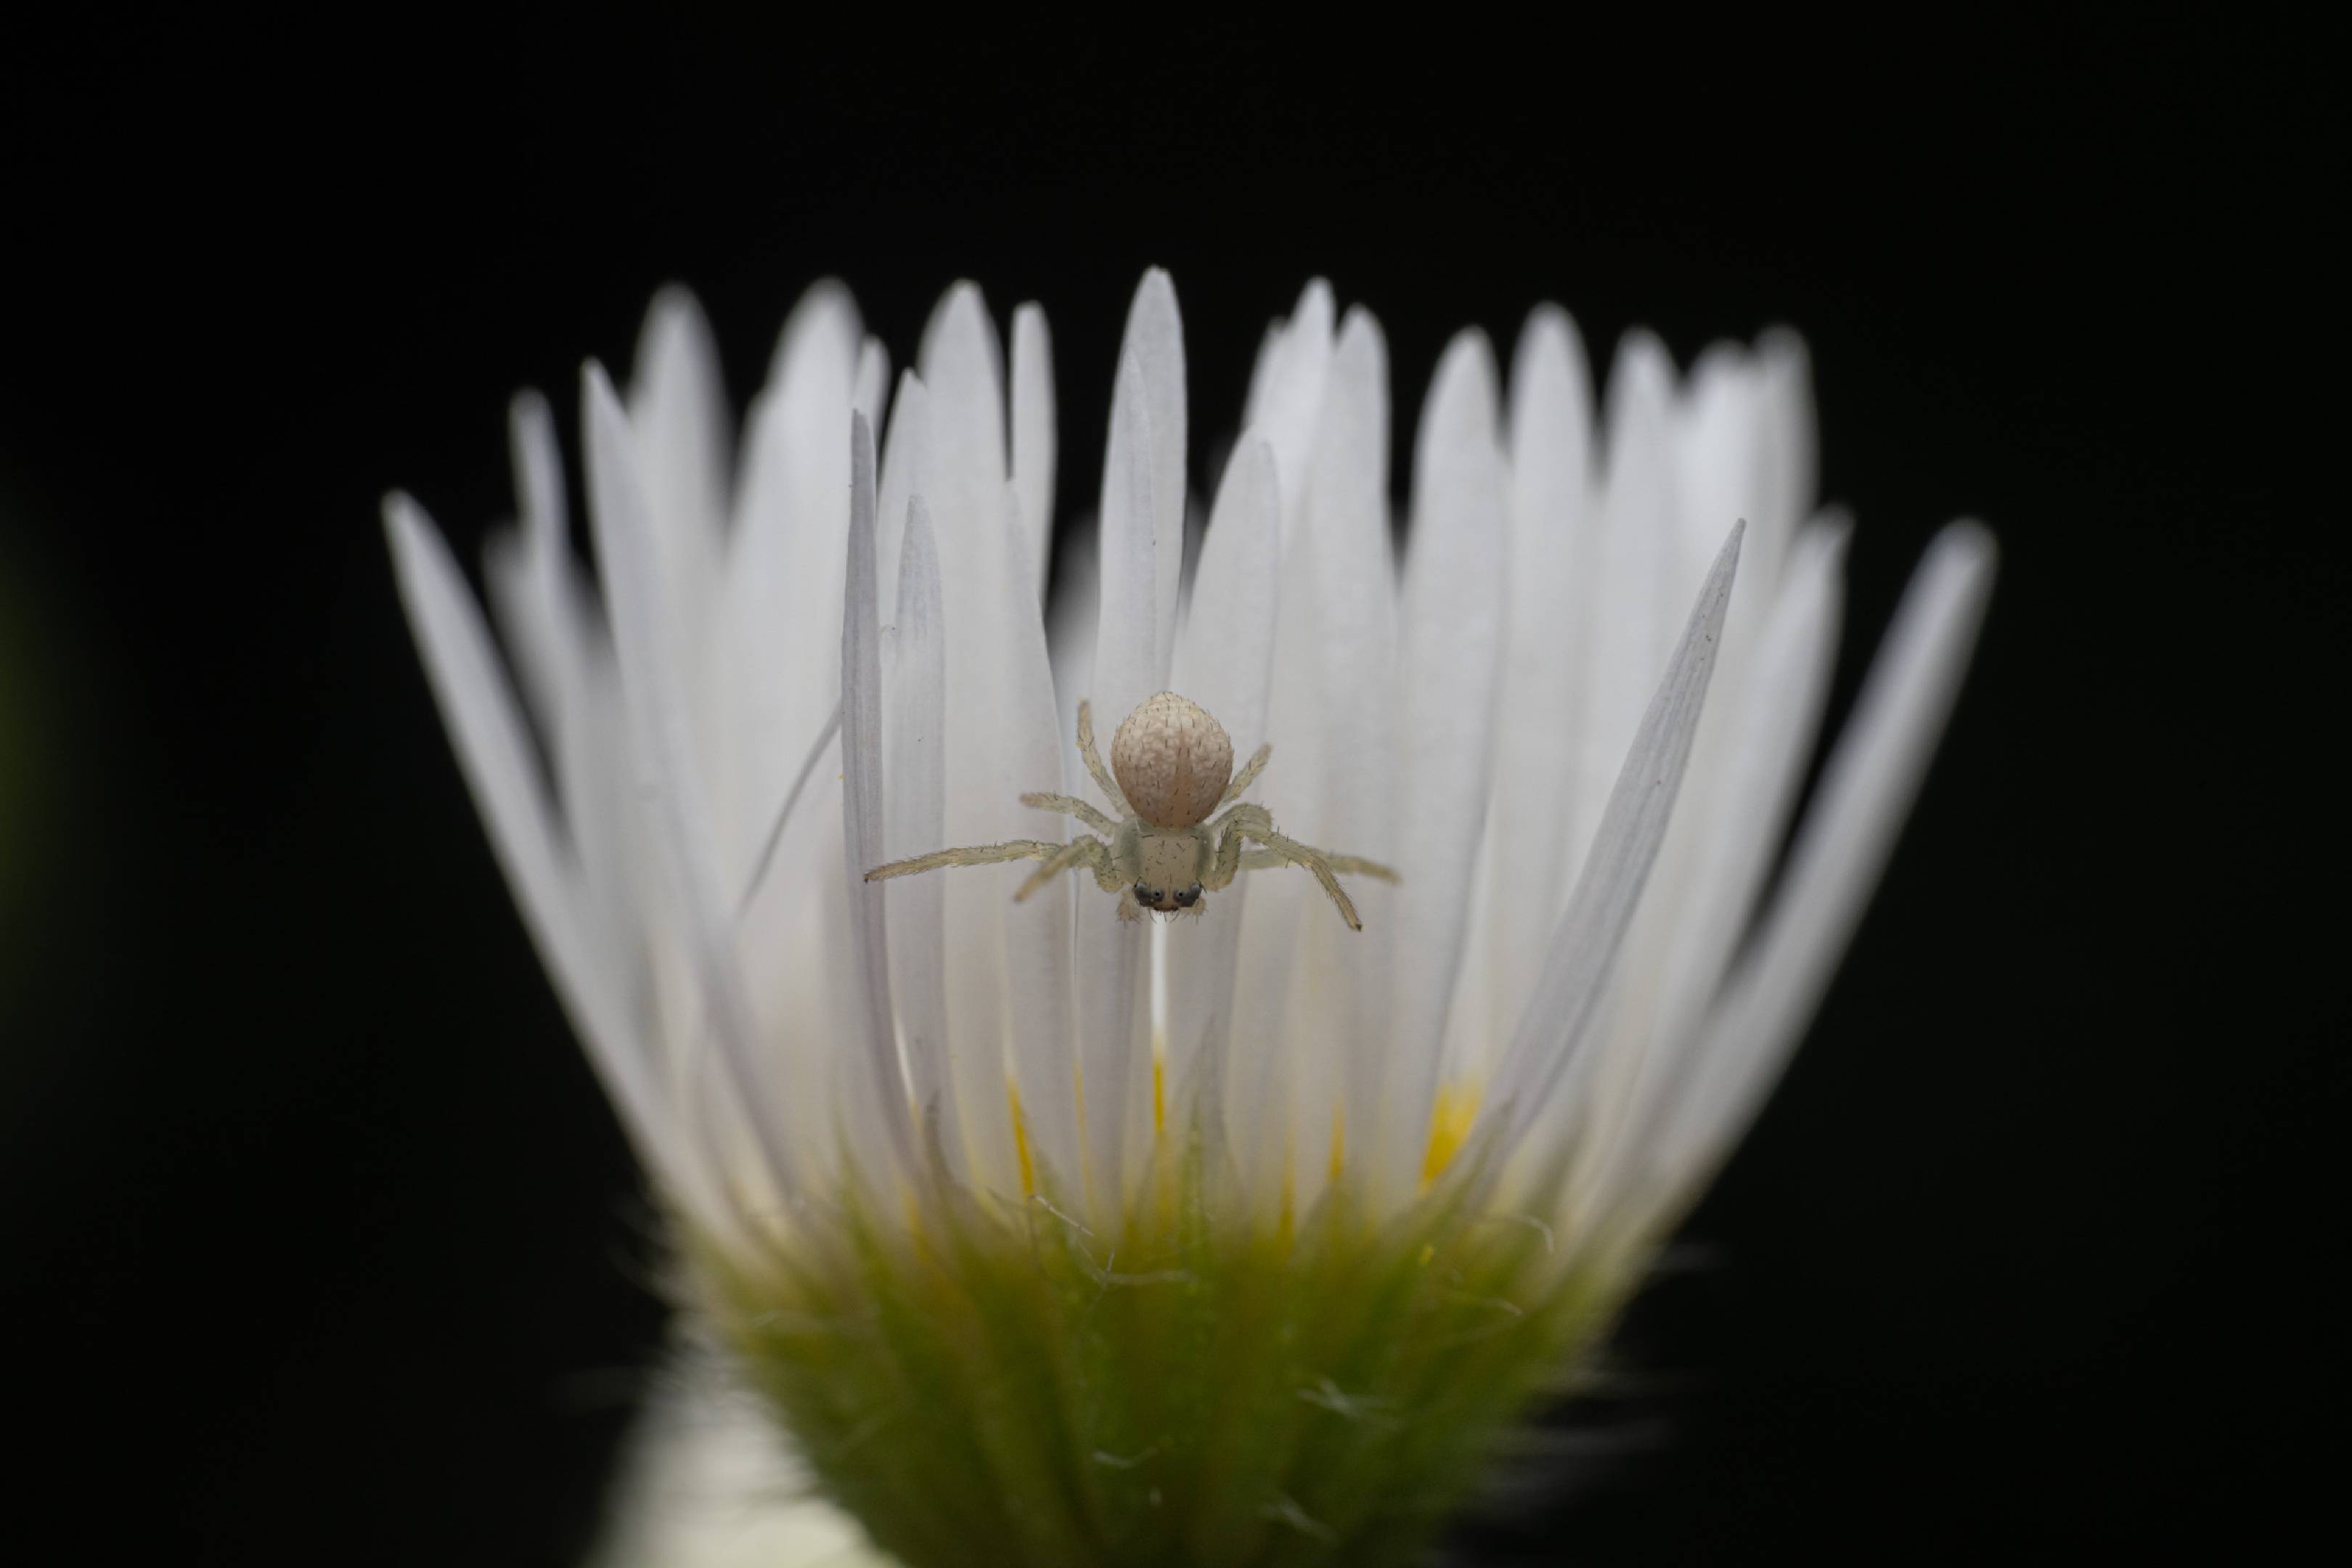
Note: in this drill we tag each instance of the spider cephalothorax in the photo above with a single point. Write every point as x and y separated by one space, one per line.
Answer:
1174 767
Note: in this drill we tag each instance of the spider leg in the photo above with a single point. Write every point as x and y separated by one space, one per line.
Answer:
1093 853
1297 854
1108 785
1249 775
1343 865
976 855
1071 806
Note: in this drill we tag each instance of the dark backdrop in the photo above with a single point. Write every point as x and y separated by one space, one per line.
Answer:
320 1244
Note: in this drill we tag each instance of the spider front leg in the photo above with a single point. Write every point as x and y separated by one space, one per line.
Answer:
977 854
1092 853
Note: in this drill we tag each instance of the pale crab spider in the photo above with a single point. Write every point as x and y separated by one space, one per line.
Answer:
1175 766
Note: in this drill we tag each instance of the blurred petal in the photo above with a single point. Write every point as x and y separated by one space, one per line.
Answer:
1584 947
1840 849
1449 660
1033 438
913 816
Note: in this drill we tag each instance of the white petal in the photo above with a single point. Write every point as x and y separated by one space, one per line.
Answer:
531 577
773 682
653 682
906 464
1703 890
1155 342
1036 933
1309 987
494 755
677 405
914 823
873 384
876 1105
1034 433
1449 663
1841 848
1286 395
963 491
1224 661
1568 994
1125 670
1549 575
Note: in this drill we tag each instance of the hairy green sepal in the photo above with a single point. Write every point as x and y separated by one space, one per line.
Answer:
996 1383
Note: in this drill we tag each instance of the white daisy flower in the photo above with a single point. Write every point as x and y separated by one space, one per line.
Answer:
1050 1235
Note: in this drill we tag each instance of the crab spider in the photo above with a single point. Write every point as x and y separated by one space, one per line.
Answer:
1174 768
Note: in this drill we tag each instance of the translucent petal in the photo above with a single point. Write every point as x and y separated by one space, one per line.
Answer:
1036 933
1568 995
1449 660
494 755
875 1107
1034 436
1286 395
1525 857
1726 839
1126 668
1224 661
906 465
914 823
1309 987
653 681
678 406
1840 849
1627 606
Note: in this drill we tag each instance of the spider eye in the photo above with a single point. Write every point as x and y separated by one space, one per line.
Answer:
1189 896
1148 897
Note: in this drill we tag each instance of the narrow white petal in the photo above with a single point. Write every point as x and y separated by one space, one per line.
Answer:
1630 597
1224 661
678 406
1126 668
1550 576
653 682
963 488
1286 397
1155 344
1568 994
1840 849
1450 658
1703 890
494 755
1309 987
906 464
915 823
772 681
1036 933
1033 446
873 382
876 1107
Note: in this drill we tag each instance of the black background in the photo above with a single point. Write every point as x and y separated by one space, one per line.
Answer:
319 1242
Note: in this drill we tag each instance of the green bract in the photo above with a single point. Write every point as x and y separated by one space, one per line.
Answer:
999 1382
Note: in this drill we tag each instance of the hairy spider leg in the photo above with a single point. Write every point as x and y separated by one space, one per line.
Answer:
1091 852
977 854
1249 775
1345 865
1071 806
1094 760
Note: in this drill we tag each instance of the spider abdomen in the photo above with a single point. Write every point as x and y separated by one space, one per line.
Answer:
1172 760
